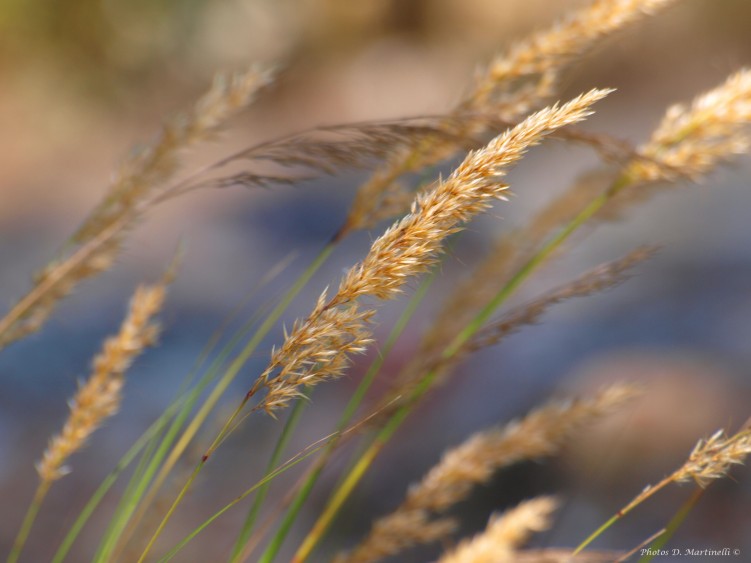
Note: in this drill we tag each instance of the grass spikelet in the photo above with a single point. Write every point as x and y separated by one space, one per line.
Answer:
505 533
540 433
317 349
599 279
691 140
500 93
504 257
55 282
479 288
710 460
100 238
329 337
544 55
145 171
99 397
689 143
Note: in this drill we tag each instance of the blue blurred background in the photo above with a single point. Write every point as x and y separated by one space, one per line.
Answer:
85 80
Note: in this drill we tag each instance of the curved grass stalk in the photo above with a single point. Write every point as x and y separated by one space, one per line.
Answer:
229 376
125 461
349 411
123 523
28 520
107 483
675 522
384 435
289 427
297 458
228 506
710 459
647 493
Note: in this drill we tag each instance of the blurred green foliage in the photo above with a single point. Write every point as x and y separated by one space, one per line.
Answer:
115 37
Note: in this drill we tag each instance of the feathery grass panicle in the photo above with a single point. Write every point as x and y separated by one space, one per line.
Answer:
398 533
99 240
540 433
499 93
146 170
505 533
599 279
689 143
544 55
409 247
318 348
314 351
691 140
479 288
712 459
99 397
51 285
504 257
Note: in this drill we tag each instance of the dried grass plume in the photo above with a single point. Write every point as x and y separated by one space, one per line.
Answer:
540 433
318 348
505 534
99 397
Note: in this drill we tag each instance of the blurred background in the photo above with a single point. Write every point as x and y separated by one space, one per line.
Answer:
84 81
